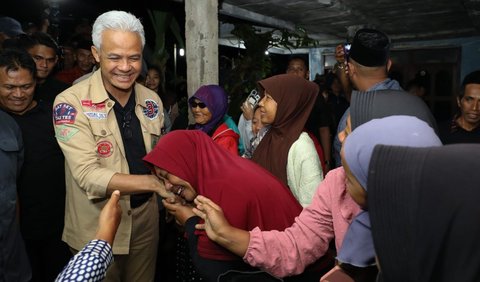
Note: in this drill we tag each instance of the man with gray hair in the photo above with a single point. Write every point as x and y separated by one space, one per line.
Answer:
105 125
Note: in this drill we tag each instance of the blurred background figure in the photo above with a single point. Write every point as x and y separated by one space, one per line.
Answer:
154 80
45 52
9 28
464 127
83 62
419 85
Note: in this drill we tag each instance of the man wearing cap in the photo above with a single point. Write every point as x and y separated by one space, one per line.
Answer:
10 27
367 67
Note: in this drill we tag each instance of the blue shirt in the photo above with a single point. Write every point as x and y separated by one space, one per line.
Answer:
388 83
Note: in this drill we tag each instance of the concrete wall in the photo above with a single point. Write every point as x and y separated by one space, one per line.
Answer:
201 33
470 58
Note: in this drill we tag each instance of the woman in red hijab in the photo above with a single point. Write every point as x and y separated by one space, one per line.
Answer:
191 164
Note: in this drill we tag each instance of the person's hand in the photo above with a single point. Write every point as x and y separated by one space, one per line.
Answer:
341 64
218 229
340 54
160 187
212 214
181 211
45 24
109 219
247 110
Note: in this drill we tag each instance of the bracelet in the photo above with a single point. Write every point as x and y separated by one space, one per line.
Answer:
338 66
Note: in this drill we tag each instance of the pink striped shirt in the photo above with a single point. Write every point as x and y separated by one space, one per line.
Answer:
289 252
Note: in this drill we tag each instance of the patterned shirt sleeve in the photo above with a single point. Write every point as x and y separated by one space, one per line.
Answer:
90 264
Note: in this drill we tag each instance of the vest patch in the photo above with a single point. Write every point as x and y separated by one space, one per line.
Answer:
151 109
64 113
96 115
104 149
65 133
98 106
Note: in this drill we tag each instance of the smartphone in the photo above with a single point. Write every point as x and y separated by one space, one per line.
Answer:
253 98
346 50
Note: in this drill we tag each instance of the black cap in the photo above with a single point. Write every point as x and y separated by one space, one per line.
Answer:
10 26
370 48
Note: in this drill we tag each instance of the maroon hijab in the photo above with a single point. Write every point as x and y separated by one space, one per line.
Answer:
248 194
295 98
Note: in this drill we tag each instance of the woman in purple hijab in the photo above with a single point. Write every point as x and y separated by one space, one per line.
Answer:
209 107
357 248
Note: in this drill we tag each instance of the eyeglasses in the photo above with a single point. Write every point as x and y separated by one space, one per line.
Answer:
194 104
127 131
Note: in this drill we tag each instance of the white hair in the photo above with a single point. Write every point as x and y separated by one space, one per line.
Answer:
116 20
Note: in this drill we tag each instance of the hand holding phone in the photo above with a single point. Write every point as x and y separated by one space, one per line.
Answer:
346 50
253 98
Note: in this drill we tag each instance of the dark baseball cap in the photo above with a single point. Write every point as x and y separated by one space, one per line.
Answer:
10 26
370 47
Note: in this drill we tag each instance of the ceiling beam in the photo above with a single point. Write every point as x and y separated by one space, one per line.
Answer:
244 14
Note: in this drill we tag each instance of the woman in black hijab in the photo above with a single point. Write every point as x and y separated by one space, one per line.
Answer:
424 212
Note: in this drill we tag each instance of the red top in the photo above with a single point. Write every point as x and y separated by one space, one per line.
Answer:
227 138
70 75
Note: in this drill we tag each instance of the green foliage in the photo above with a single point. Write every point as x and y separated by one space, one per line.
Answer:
253 65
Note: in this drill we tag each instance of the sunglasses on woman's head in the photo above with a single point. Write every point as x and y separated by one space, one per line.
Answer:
194 104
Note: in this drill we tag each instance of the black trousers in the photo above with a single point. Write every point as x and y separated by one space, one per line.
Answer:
47 258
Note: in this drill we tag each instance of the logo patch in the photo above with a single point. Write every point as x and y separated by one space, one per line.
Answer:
64 113
96 115
104 149
65 133
98 106
151 109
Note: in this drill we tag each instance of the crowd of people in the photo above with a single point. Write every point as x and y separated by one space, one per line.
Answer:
344 178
